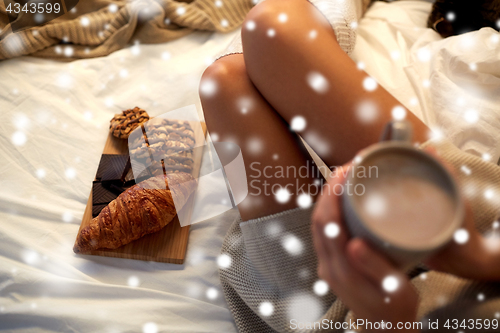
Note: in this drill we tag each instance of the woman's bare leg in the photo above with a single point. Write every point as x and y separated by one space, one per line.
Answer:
293 58
236 112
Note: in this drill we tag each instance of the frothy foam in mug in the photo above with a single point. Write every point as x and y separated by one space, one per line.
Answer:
407 205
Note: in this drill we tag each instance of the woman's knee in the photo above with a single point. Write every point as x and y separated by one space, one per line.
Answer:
221 85
219 79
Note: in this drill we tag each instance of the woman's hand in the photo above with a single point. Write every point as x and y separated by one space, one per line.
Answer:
356 272
471 257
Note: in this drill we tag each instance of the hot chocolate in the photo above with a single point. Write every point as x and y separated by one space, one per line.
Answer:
408 204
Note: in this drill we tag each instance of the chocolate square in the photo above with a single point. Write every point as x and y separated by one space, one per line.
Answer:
96 209
102 194
113 167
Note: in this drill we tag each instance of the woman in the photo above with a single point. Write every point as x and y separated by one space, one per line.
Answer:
295 72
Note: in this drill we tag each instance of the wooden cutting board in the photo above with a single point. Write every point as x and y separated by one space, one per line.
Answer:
167 245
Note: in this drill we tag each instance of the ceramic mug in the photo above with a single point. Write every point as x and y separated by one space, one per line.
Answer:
410 208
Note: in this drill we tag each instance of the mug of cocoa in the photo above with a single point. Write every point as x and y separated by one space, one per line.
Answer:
410 205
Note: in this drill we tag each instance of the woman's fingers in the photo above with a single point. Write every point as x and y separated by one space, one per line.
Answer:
379 270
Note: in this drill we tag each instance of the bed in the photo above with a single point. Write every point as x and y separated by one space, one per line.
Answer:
55 118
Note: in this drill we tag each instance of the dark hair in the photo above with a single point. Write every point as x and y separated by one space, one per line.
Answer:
455 17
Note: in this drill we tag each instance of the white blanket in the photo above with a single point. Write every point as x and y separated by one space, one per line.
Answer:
55 118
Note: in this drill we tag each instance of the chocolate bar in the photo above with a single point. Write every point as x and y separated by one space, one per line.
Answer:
102 194
96 209
113 167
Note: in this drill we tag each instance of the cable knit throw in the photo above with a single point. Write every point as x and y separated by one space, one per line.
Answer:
95 28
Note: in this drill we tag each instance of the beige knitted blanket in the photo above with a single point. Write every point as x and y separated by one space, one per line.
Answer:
95 28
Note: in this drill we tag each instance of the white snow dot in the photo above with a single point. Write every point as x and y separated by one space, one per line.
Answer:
224 23
471 116
218 3
39 17
123 73
424 54
67 217
357 159
150 328
40 173
275 156
250 25
313 34
224 261
304 201
426 83
30 257
255 145
317 82
135 50
488 194
395 55
370 84
292 245
486 157
498 23
214 137
133 281
282 17
304 307
495 39
88 115
274 229
461 236
332 230
70 173
18 138
283 195
361 65
113 8
166 55
266 309
109 102
398 113
465 170
375 204
84 21
473 66
367 112
298 123
181 11
423 276
320 288
212 293
451 16
271 33
208 87
480 297
390 283
64 80
496 225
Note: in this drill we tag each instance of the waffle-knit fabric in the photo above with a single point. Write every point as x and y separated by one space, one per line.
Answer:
273 264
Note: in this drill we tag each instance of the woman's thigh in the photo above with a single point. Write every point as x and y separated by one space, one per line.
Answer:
273 155
293 58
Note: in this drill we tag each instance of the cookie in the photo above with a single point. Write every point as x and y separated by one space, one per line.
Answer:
123 124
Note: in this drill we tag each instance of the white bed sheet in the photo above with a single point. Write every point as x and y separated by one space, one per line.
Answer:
62 111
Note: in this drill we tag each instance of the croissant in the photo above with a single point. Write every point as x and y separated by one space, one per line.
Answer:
142 209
